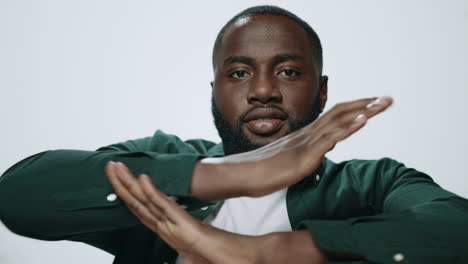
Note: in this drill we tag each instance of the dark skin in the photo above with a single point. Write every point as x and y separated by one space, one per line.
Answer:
281 72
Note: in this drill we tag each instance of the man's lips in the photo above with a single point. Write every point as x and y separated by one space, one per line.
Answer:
264 126
265 120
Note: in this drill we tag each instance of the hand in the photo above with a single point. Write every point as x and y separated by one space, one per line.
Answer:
156 211
198 243
195 241
286 161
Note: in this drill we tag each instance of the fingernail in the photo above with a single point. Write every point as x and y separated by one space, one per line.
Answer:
375 102
359 118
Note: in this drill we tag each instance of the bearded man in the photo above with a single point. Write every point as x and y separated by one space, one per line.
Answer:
266 194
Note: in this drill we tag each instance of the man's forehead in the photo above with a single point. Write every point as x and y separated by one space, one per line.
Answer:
264 36
242 21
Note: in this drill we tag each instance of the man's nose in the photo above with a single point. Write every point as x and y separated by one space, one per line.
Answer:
264 90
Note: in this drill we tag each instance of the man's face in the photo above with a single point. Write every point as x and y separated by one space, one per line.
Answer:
267 82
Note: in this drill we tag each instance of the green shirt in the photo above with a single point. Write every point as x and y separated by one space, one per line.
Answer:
379 209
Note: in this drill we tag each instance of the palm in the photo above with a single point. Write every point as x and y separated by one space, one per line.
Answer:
181 232
159 213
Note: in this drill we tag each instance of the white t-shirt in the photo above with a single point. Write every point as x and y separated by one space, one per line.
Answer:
252 216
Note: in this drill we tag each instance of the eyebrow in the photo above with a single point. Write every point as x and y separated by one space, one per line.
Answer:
287 57
277 59
238 59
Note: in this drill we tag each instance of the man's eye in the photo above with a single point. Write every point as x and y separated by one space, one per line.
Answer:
239 74
289 73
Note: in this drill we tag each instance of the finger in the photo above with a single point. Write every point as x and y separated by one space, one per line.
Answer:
142 202
341 108
154 208
341 114
327 141
129 180
346 119
159 200
378 106
178 224
136 190
110 172
133 204
113 177
168 207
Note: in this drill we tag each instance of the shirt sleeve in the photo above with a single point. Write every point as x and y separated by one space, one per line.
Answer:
65 194
419 222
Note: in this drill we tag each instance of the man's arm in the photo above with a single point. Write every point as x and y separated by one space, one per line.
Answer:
197 242
69 196
64 194
417 221
420 223
287 160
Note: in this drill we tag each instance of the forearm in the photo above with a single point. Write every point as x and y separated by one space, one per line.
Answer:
434 232
268 169
279 247
289 247
47 195
254 174
296 247
215 181
57 194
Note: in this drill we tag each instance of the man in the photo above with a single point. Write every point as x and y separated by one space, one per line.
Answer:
265 195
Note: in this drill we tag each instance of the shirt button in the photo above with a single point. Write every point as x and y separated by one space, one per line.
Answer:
204 208
111 197
398 257
317 177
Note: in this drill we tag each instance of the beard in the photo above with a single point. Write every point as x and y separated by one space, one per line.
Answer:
234 140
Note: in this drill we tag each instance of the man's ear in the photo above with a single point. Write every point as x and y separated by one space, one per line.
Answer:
323 91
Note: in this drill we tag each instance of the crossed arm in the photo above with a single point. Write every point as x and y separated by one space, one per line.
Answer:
197 242
300 152
66 187
404 210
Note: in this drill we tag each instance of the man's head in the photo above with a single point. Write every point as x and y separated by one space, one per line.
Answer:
267 78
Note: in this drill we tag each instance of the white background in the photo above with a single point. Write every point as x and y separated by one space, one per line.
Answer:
83 74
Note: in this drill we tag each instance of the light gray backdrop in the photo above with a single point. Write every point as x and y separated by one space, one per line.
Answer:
83 74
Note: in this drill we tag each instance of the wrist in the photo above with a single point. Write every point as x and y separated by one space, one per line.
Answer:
270 175
219 246
213 179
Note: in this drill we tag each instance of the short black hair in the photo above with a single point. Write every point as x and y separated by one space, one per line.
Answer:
278 11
